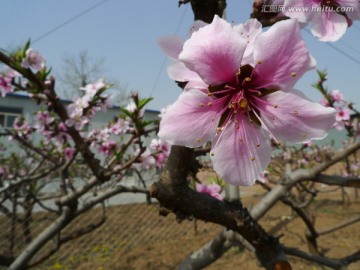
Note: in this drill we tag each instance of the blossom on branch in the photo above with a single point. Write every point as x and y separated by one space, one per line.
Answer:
213 190
329 18
33 59
241 106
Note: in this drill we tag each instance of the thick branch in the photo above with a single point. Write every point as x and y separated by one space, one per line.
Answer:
336 180
205 10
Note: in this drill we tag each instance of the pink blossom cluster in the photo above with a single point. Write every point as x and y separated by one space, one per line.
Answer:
153 156
342 118
82 110
6 78
162 151
23 128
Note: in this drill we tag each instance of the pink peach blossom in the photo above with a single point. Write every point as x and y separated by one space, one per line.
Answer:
213 190
242 106
33 59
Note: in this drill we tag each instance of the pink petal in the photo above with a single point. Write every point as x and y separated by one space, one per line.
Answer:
196 26
200 187
177 71
295 9
236 156
214 52
249 31
283 55
355 4
329 26
291 116
171 46
190 121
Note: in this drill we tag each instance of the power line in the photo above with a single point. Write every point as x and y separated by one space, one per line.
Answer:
69 21
337 49
165 57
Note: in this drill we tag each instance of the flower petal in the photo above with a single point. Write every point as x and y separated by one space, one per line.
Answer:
249 31
214 52
177 71
291 116
171 46
283 55
191 120
297 9
236 155
328 26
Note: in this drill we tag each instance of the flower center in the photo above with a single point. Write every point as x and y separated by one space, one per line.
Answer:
239 97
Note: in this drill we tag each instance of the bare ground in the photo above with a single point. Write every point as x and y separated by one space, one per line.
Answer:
136 238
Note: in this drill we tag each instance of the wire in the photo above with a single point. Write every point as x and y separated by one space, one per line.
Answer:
68 21
337 49
165 57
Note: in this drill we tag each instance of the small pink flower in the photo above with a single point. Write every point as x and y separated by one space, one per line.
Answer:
121 126
337 96
147 160
342 114
162 149
213 190
69 152
93 88
5 85
43 119
108 147
241 106
33 59
324 102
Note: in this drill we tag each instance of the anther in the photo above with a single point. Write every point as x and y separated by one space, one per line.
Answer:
209 104
275 106
258 145
212 154
201 105
296 112
259 62
198 139
247 79
293 74
252 158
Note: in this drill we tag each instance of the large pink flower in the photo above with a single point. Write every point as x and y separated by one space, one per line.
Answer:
329 18
243 105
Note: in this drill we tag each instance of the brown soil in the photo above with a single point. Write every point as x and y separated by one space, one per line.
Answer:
161 243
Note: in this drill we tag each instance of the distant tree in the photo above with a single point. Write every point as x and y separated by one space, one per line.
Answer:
79 70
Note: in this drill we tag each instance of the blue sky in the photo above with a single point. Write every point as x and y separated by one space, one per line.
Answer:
124 32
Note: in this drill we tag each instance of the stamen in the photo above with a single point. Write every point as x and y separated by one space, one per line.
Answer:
210 104
296 112
293 74
201 105
198 139
259 62
212 154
